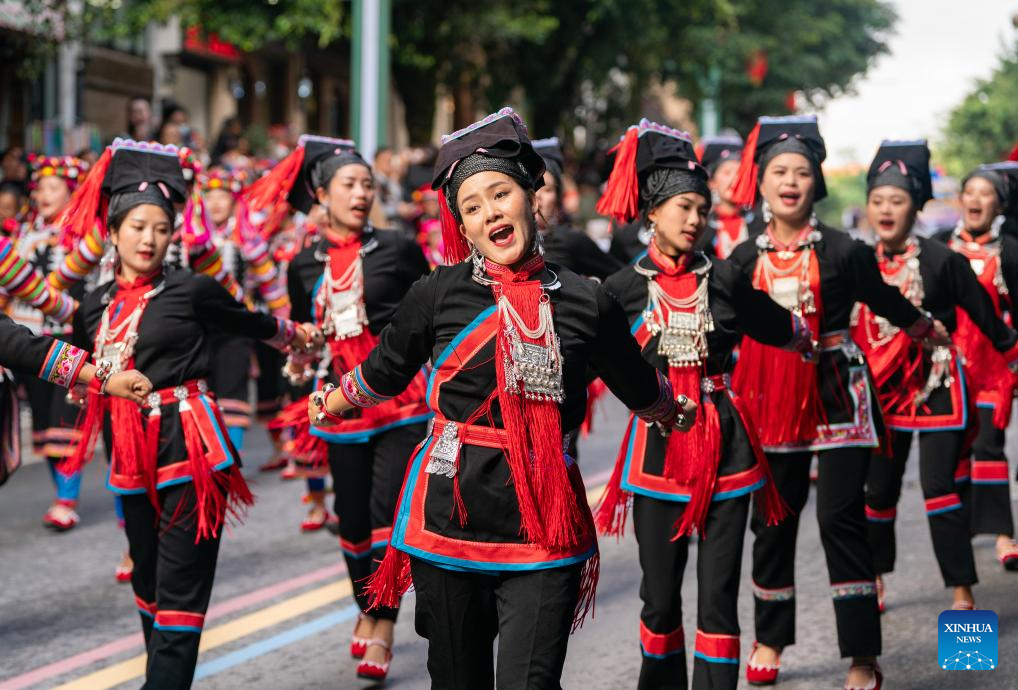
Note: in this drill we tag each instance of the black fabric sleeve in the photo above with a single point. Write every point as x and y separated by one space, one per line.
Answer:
760 317
617 359
860 266
1009 265
218 310
405 344
22 350
592 261
970 295
413 262
300 300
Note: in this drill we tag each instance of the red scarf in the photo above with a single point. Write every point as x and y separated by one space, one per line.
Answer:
550 513
131 454
691 458
347 352
729 232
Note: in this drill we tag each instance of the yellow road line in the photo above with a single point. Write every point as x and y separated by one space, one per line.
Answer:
250 624
220 635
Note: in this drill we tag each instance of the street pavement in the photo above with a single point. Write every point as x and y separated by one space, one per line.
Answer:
282 614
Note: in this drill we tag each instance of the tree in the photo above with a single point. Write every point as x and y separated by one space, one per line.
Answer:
570 62
984 127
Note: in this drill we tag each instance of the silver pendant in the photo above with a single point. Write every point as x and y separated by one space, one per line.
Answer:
445 453
683 341
347 315
537 367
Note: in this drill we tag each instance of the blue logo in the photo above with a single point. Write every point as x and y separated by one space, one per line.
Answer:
967 641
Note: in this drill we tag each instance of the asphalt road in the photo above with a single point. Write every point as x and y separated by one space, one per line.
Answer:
281 612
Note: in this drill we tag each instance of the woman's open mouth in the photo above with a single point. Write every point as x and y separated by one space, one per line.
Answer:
886 223
790 198
502 236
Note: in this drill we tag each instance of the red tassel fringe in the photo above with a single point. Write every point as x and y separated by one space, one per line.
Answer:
87 206
621 197
763 377
305 447
692 458
744 185
89 425
390 581
274 186
550 514
595 391
769 503
455 247
612 510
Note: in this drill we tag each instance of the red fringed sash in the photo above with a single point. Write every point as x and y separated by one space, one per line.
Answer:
780 390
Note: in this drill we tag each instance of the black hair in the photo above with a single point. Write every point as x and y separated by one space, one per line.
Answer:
15 188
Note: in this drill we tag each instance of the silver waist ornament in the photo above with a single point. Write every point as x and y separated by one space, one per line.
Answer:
446 452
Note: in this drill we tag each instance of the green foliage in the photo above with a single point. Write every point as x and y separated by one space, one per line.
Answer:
844 191
984 127
571 62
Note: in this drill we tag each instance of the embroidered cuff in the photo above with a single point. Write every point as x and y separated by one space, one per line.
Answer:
62 364
802 336
359 393
285 332
662 408
922 327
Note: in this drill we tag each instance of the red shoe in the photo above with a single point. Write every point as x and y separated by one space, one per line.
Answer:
881 604
276 463
313 523
371 670
289 472
1008 556
61 516
358 645
123 572
878 678
761 674
963 606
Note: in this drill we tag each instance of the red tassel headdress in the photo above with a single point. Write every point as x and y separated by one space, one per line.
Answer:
89 203
499 135
645 146
768 131
288 183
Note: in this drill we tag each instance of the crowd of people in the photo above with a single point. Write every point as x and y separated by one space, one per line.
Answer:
428 332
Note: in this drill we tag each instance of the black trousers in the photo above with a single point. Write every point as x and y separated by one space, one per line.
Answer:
460 614
718 569
946 513
172 582
367 478
842 519
991 490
